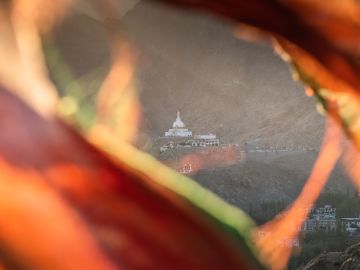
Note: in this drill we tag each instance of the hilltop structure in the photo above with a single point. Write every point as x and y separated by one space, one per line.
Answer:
178 129
180 136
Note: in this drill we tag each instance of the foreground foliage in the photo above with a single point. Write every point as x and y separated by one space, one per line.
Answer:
107 206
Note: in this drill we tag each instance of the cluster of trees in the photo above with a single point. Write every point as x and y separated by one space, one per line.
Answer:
316 243
266 210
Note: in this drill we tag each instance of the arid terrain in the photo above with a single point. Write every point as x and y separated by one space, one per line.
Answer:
241 91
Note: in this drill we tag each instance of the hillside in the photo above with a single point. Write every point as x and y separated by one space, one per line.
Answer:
254 177
191 63
238 90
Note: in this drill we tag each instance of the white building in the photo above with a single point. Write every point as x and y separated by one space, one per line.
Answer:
310 225
178 129
325 213
208 136
323 219
350 225
205 140
182 137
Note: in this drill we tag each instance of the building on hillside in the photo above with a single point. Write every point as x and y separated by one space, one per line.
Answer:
180 136
178 129
310 225
322 219
326 212
205 140
350 225
327 225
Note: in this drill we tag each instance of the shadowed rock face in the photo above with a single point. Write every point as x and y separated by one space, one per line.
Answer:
347 260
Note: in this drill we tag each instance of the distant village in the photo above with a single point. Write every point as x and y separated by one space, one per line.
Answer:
321 219
324 219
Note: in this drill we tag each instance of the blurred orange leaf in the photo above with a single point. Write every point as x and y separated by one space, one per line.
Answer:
69 206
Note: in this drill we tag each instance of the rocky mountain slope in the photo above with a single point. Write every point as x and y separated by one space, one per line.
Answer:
240 91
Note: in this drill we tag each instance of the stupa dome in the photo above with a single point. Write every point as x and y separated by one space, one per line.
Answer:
178 129
178 122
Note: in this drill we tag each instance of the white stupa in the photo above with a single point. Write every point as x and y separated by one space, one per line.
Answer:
178 129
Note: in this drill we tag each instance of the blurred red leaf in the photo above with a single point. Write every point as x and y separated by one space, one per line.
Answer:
65 205
117 216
